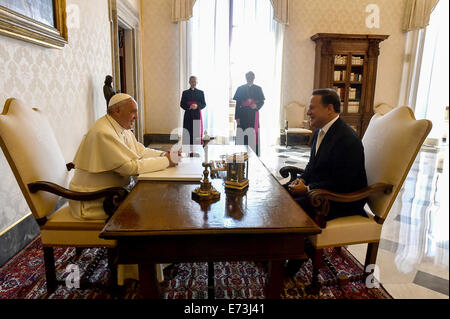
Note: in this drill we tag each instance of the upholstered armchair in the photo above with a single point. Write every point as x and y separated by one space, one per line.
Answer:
36 160
295 122
391 143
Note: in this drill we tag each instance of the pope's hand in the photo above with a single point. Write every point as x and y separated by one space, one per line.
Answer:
171 162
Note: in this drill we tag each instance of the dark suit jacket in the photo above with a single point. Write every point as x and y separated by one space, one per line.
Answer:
191 115
339 167
244 113
192 96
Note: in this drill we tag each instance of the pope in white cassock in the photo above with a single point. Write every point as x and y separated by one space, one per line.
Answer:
109 156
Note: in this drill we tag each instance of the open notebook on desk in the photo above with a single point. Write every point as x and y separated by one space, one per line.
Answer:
189 169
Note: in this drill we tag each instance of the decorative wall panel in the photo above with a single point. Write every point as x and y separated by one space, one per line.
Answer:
67 84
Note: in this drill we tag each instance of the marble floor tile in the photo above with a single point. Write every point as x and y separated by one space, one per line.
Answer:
389 245
412 291
431 282
433 268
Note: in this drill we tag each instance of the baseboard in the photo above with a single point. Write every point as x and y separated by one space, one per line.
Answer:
158 139
17 237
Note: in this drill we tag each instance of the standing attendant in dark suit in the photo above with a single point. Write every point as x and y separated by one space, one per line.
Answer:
192 102
249 100
336 162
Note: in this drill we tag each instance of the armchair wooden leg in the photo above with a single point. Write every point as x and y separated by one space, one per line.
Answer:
371 255
79 251
50 271
314 287
211 292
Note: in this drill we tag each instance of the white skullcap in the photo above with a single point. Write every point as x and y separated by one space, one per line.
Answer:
119 97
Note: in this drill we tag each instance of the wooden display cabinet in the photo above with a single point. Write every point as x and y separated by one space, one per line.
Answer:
348 63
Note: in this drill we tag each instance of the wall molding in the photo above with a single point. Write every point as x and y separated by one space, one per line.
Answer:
14 224
17 236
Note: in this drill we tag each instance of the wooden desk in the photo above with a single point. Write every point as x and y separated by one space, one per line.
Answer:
159 223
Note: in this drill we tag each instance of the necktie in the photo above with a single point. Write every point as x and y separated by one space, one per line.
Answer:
319 139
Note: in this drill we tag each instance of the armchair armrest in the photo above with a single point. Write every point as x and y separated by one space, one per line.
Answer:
113 195
291 170
320 198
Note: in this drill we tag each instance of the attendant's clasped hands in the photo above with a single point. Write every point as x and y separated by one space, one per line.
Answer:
253 105
298 187
193 106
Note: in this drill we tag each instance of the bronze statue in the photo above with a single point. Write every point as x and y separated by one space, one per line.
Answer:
108 91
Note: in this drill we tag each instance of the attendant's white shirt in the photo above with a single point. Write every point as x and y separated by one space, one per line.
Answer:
145 160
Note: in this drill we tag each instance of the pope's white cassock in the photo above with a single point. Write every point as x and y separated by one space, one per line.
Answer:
109 156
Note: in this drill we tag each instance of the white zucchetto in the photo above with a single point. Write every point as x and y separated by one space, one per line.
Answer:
119 97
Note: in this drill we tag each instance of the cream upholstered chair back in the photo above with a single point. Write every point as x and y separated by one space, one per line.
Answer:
30 146
295 113
391 143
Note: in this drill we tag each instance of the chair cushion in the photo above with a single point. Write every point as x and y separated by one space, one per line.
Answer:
63 219
77 238
346 231
298 130
62 229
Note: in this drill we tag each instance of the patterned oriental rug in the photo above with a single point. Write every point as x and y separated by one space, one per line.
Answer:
24 277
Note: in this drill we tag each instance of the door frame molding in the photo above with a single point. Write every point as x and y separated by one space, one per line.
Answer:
120 12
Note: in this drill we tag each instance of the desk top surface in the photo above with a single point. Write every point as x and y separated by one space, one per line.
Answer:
155 208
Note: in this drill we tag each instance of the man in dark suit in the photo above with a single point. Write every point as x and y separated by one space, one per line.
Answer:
337 159
192 102
249 100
